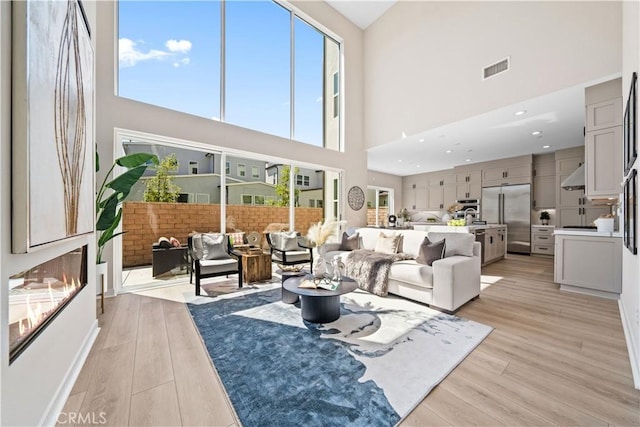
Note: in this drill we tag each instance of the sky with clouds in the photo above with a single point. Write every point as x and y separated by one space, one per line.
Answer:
169 55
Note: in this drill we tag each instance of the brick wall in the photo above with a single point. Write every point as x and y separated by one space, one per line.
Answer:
383 213
145 222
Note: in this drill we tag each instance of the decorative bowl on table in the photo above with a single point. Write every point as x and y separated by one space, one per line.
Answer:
456 222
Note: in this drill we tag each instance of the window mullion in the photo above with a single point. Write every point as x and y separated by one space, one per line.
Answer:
222 58
292 75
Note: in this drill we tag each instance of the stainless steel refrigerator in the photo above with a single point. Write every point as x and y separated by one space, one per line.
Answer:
510 205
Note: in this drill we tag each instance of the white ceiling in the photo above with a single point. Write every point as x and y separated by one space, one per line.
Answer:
496 134
361 12
493 135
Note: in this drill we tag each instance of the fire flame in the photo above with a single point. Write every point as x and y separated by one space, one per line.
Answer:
36 313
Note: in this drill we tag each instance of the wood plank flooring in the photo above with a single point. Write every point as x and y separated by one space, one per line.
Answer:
554 358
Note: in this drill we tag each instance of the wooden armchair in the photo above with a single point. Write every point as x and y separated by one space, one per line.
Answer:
212 256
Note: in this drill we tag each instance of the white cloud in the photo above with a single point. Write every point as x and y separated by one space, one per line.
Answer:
179 46
183 61
129 55
319 99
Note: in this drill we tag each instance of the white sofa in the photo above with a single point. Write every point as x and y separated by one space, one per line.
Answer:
446 285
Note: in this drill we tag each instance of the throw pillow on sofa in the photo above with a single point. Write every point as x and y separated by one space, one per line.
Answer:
430 252
350 243
388 244
457 243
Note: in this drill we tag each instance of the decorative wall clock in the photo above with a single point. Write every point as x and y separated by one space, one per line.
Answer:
355 197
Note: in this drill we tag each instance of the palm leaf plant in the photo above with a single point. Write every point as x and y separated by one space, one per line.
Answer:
108 204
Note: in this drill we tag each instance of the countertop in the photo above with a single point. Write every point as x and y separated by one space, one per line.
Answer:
456 229
589 233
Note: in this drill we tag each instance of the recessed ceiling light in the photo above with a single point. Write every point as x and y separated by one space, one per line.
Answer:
400 161
421 140
519 113
467 160
536 133
417 166
546 146
449 151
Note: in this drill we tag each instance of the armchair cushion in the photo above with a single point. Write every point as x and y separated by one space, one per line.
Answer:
285 241
210 246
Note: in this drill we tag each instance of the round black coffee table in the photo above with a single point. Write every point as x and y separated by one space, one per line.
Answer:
320 305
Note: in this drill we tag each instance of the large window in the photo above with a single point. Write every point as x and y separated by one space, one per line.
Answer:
308 83
169 54
281 73
258 57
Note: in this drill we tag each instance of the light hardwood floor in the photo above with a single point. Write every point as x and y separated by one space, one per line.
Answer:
554 358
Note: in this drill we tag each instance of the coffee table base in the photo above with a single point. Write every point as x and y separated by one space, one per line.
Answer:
325 309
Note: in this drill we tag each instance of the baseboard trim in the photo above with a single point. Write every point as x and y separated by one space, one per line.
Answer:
633 356
56 405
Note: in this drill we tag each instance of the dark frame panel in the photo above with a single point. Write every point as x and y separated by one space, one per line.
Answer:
631 212
630 127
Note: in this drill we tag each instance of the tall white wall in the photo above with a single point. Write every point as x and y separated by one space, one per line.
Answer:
35 386
114 112
630 297
423 59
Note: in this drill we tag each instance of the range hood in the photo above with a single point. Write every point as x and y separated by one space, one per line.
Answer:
575 181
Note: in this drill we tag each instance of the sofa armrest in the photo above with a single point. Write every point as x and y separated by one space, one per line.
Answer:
456 280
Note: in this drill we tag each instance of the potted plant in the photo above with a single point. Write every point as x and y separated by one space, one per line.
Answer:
108 209
544 218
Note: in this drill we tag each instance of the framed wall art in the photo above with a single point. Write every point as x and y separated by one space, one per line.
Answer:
630 127
631 212
52 124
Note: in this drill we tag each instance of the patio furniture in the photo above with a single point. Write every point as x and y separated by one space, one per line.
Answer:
165 259
289 248
213 256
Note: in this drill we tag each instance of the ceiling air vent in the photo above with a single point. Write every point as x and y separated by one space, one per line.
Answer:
497 68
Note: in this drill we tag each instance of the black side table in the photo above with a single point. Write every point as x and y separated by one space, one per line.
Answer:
287 296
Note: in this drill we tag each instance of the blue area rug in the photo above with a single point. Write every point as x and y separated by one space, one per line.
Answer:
371 367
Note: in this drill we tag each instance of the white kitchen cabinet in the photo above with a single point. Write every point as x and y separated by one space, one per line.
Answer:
604 114
542 239
442 191
506 175
603 153
603 139
469 185
495 241
415 198
589 264
544 181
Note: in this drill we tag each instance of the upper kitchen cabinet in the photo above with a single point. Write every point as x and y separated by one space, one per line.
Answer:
603 139
442 190
468 184
514 170
544 181
415 193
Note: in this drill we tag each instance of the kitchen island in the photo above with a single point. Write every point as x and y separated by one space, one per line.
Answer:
588 261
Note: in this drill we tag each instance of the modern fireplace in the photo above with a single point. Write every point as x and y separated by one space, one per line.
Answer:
38 295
